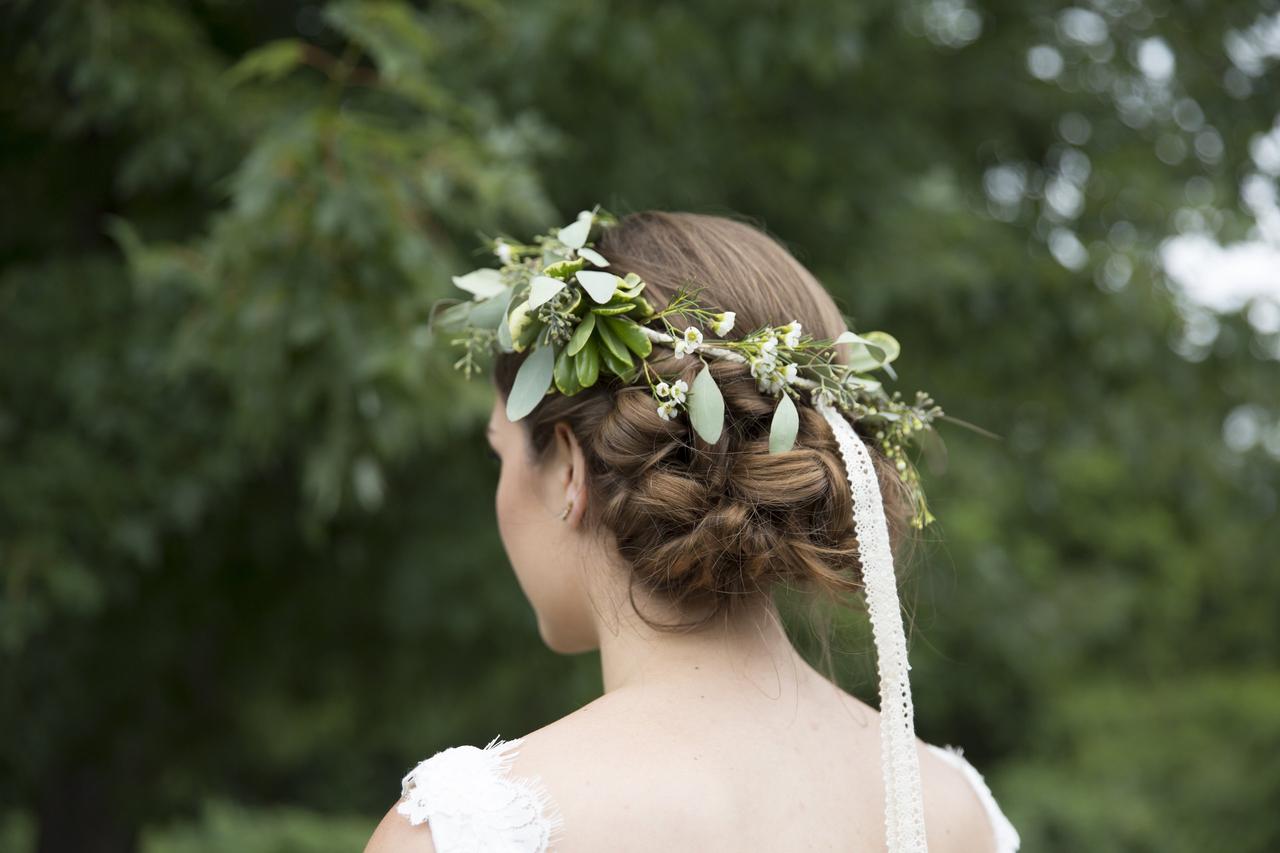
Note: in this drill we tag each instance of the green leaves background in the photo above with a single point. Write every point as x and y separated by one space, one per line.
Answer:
243 503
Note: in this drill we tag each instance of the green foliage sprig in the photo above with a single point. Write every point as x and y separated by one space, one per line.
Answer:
556 298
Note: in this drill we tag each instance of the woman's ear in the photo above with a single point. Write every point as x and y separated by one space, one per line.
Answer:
571 465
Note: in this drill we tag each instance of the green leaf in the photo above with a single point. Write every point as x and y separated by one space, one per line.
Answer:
869 351
631 286
614 308
784 426
563 269
588 362
532 381
886 342
519 321
565 374
630 333
615 365
504 326
613 343
706 407
269 62
582 333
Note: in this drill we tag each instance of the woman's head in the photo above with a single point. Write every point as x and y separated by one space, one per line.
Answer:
599 482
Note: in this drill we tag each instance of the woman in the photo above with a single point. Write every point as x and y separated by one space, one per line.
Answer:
659 540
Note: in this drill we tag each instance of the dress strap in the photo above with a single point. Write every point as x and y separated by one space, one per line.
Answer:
1007 840
473 805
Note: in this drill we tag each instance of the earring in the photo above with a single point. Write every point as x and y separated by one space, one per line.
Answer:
566 512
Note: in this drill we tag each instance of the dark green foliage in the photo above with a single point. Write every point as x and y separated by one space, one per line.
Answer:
247 551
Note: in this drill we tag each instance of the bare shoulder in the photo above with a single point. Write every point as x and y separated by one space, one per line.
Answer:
956 817
606 774
564 764
396 835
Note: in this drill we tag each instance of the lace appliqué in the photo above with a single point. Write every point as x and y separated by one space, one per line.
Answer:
473 805
900 763
1007 839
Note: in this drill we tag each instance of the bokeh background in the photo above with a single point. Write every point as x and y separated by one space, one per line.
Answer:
250 571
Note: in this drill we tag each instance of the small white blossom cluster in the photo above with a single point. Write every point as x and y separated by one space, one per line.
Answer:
722 323
671 397
771 375
688 342
502 249
789 334
823 396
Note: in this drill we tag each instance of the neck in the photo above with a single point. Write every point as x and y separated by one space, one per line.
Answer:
745 648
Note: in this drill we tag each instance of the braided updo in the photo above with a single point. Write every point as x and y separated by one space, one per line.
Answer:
713 525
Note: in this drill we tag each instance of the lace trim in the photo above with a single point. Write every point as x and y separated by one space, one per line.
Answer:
1007 839
473 806
900 762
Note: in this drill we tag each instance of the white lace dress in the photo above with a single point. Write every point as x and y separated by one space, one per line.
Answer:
474 805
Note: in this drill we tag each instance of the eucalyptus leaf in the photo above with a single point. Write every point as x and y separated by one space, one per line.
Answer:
886 342
854 338
867 353
454 317
489 313
484 283
784 426
595 257
531 384
575 235
706 407
600 285
542 288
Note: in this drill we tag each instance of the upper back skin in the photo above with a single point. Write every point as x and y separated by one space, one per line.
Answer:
693 768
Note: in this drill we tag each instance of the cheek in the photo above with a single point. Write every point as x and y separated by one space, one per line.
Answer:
515 506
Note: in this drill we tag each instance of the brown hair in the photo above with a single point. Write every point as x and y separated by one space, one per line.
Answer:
710 525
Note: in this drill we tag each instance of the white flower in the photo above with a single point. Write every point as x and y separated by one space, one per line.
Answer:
769 349
789 374
667 410
761 367
503 251
790 333
770 384
722 324
823 396
679 390
662 389
692 338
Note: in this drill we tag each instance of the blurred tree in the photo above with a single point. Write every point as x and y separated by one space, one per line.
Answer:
243 498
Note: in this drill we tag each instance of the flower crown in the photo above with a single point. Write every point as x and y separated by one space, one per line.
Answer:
556 298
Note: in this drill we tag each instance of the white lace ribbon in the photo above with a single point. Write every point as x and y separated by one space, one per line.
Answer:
904 803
